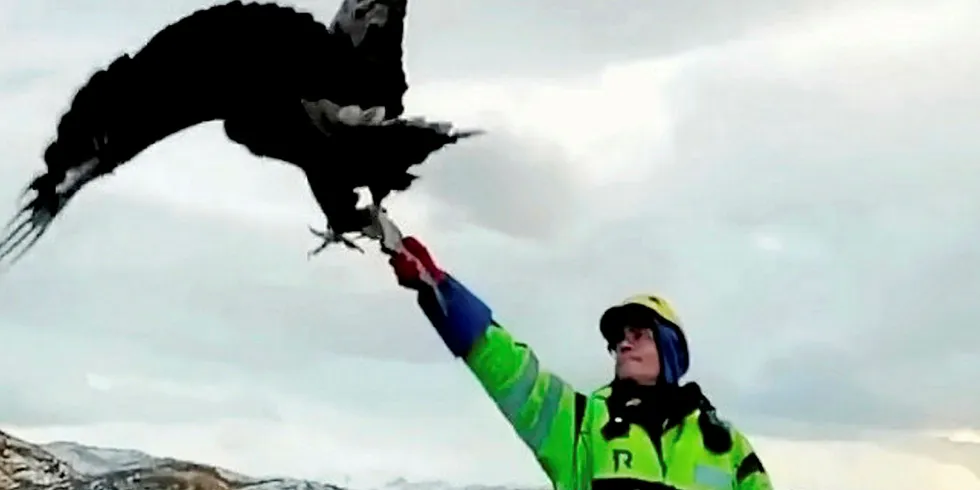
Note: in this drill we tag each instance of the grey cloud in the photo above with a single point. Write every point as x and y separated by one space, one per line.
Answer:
44 380
128 290
560 36
889 202
475 38
127 287
830 386
167 279
69 402
505 182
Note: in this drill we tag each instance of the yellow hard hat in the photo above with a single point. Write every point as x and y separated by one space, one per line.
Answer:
637 306
653 312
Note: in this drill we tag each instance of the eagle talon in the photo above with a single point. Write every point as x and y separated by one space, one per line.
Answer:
330 237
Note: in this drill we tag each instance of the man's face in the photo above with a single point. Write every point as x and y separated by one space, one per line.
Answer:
637 357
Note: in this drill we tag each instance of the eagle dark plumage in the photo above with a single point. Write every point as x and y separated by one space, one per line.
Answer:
287 87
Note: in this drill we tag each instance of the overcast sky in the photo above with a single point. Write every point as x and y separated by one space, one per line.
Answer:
799 177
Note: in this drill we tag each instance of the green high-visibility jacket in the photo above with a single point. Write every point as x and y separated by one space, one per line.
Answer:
562 428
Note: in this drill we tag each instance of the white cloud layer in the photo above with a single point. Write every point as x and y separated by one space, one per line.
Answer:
803 187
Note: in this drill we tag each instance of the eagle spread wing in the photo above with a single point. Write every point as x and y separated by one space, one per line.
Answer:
275 76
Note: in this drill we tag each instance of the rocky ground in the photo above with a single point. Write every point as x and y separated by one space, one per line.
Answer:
27 466
74 466
23 465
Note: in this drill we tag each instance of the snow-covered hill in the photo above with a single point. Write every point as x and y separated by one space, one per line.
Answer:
74 466
89 460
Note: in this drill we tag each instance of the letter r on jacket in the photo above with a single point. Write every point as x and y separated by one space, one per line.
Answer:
622 457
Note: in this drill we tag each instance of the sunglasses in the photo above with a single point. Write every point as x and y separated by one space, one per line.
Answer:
631 334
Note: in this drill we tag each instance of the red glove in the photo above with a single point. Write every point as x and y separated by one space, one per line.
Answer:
458 315
414 266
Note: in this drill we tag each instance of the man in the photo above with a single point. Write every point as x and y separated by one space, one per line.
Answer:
643 431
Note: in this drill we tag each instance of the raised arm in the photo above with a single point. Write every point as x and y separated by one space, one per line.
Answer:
544 410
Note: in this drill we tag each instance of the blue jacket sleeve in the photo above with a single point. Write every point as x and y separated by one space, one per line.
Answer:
457 314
